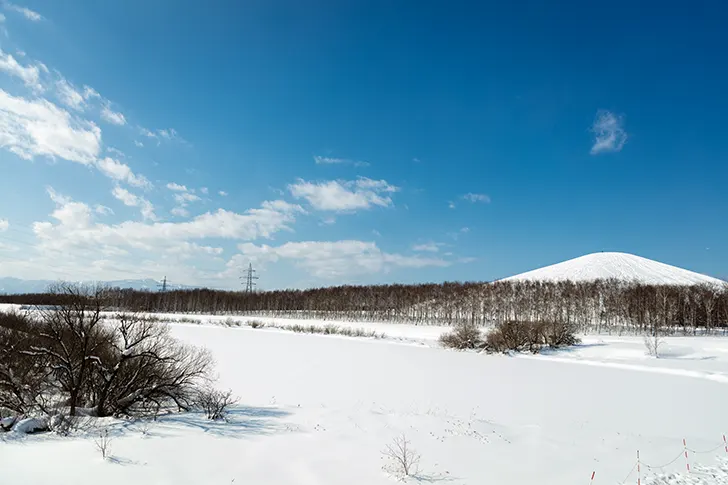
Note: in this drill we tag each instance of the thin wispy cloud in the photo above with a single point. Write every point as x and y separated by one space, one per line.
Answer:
4 224
430 247
29 14
609 133
339 161
113 117
69 95
473 198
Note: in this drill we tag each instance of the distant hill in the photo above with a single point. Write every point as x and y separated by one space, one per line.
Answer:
15 285
622 266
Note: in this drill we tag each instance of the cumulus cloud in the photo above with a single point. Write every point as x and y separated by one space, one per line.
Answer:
38 127
335 259
122 173
177 187
30 75
343 196
127 198
4 224
29 14
609 133
113 117
222 193
338 161
74 227
470 197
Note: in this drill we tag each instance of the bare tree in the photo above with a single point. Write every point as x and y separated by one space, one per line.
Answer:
653 343
404 460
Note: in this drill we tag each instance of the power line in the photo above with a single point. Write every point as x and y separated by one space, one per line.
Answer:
249 277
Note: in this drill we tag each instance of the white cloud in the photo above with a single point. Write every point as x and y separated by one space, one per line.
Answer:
185 197
115 151
167 134
38 127
609 134
2 19
177 187
103 210
27 13
430 247
180 211
69 96
122 173
222 193
131 200
138 144
470 197
336 259
341 196
113 117
4 224
204 190
70 232
30 75
338 161
90 93
451 204
327 221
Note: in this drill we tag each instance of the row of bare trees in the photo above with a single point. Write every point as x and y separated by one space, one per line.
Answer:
72 359
599 306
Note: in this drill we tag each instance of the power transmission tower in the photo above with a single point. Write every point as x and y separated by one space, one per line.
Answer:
163 285
249 277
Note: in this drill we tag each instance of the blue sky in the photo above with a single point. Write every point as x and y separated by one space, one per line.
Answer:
358 142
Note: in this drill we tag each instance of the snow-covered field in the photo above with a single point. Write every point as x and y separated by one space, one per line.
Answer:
318 409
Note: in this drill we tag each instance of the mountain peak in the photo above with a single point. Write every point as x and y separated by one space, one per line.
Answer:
621 266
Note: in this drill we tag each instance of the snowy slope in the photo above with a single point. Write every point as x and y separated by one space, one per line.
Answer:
622 266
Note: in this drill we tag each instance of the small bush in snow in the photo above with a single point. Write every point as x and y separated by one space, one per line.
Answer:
463 336
256 324
403 459
215 403
653 343
103 443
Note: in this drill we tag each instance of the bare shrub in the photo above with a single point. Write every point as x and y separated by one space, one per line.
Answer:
103 443
653 343
558 334
403 459
463 336
510 335
256 324
215 403
530 336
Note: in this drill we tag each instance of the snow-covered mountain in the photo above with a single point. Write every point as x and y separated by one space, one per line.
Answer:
15 285
622 266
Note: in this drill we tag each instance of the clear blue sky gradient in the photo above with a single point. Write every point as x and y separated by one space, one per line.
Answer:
440 99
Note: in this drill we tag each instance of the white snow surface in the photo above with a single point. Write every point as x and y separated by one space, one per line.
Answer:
319 409
622 266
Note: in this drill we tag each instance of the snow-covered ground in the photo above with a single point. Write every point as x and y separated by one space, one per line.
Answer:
319 409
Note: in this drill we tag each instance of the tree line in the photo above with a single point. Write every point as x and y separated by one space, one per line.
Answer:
598 306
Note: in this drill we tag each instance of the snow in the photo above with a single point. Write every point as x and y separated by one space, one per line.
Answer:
318 409
30 425
622 266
